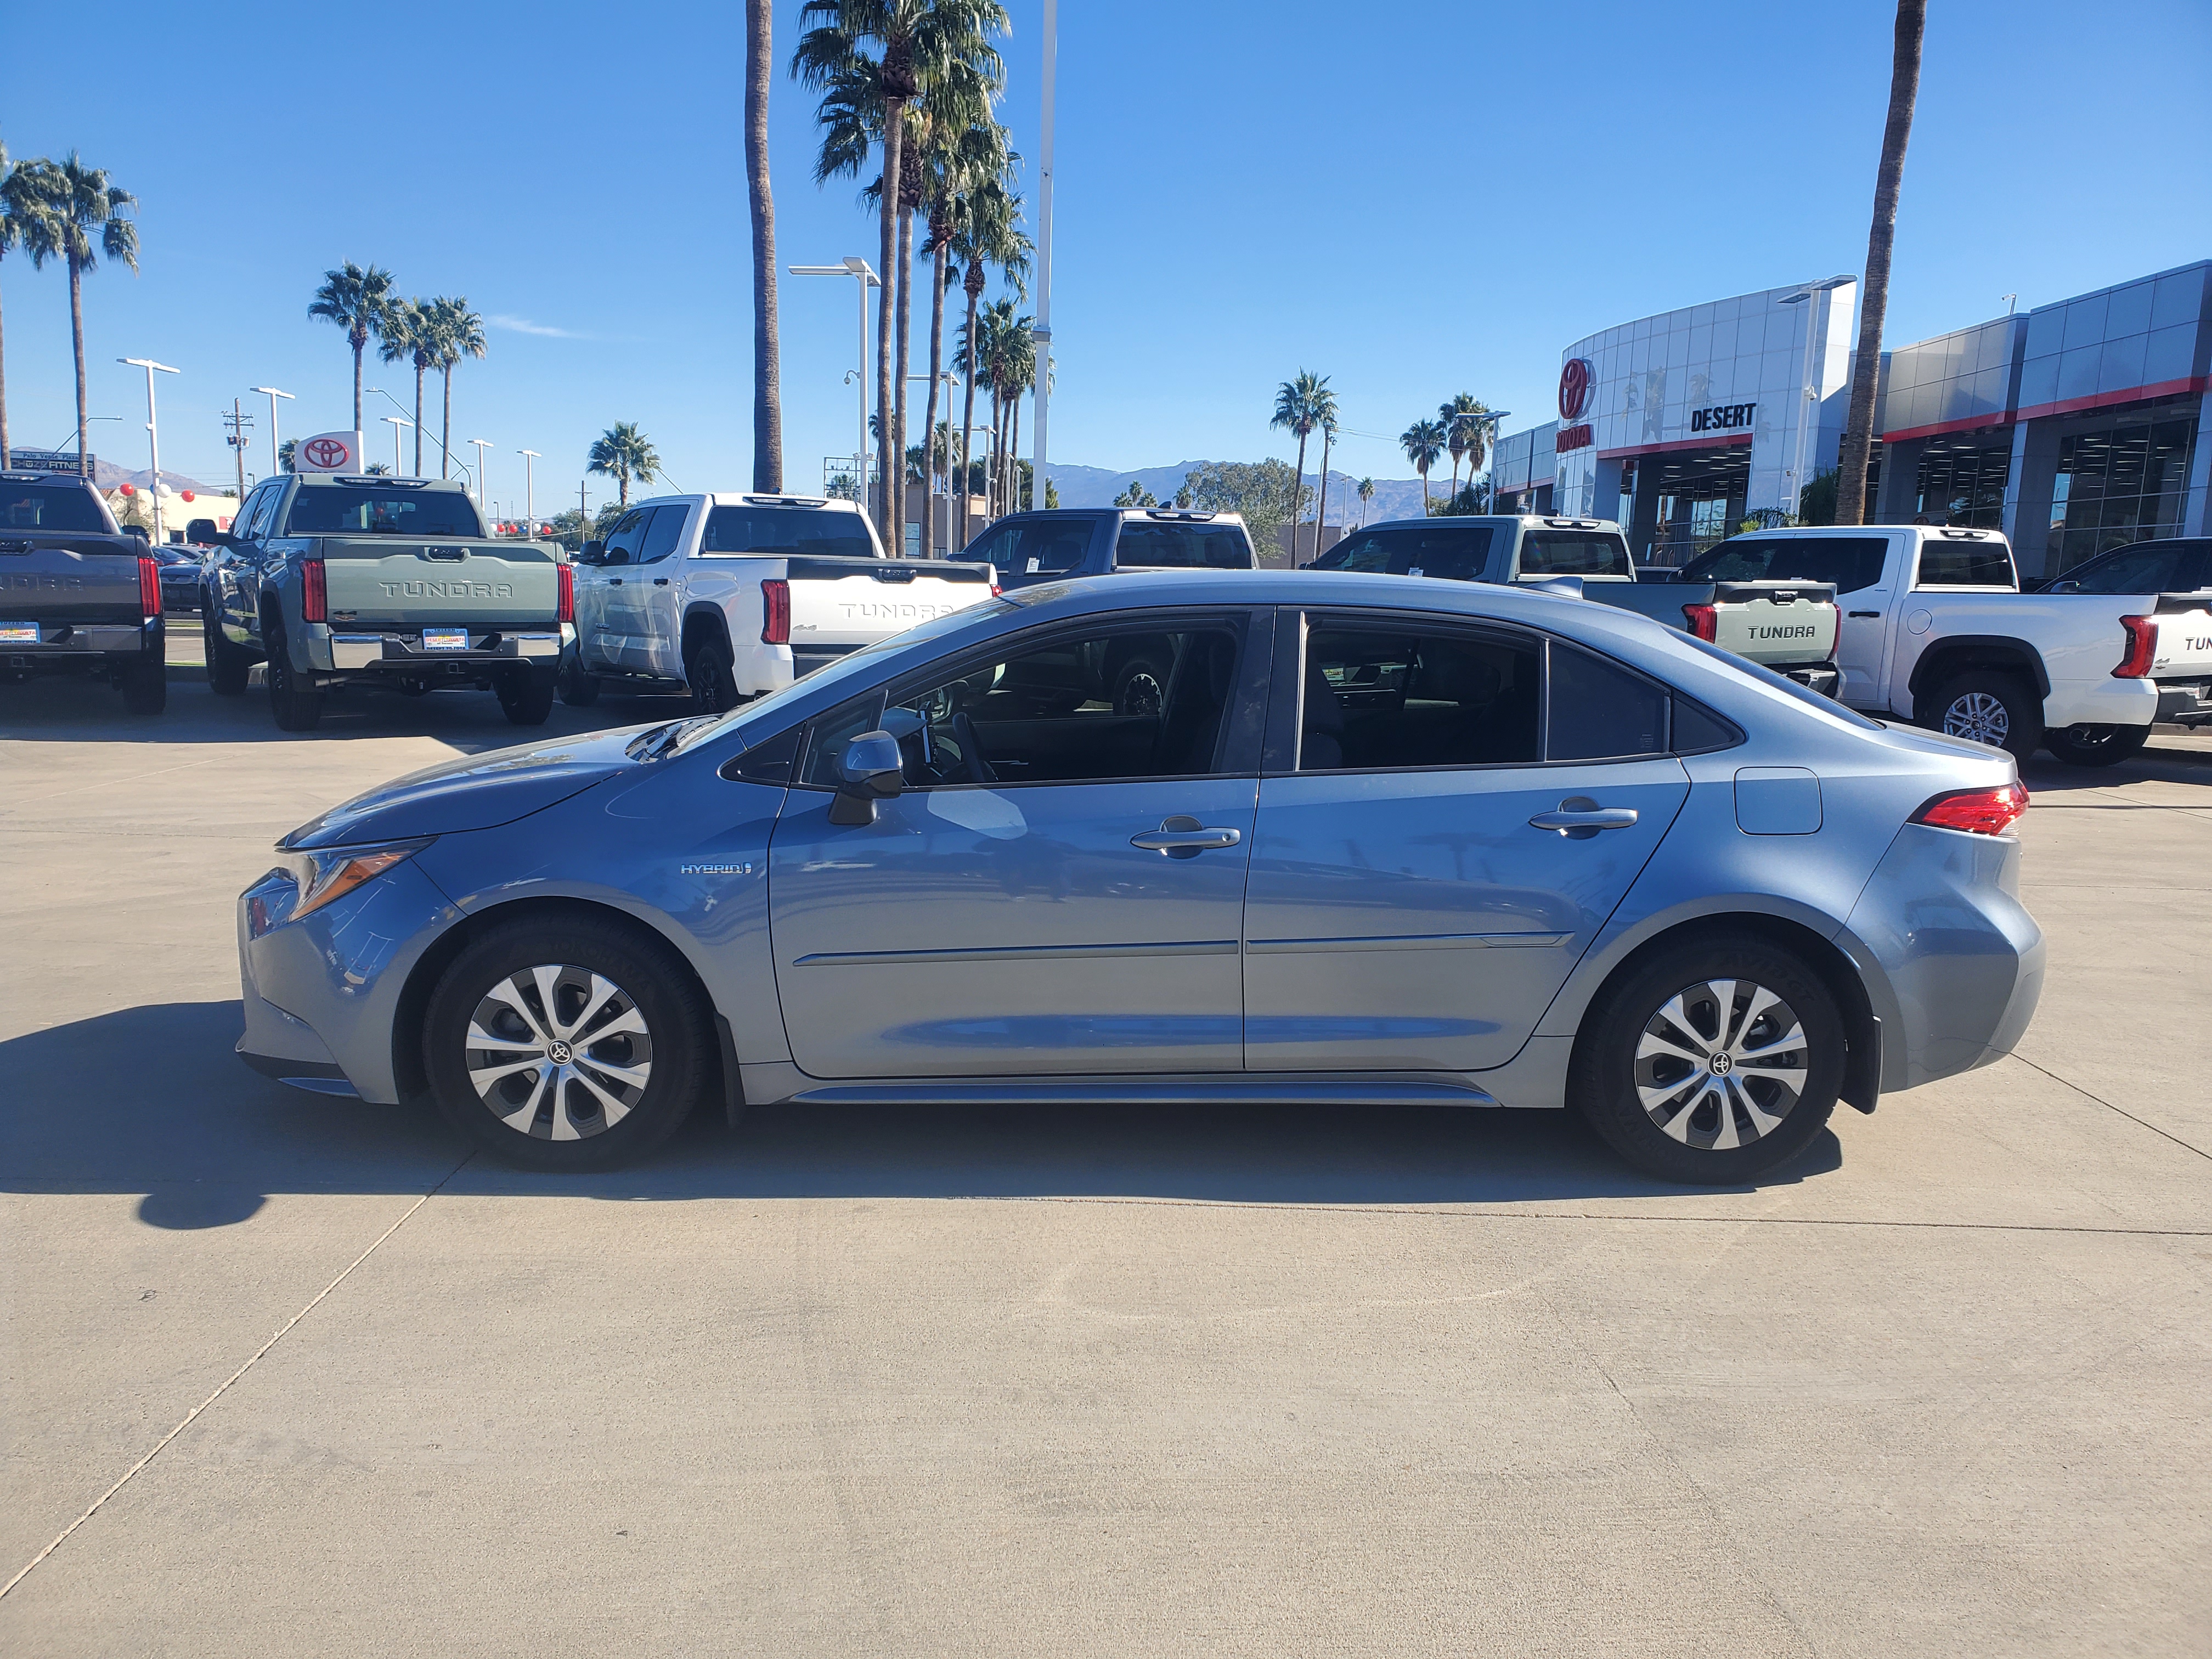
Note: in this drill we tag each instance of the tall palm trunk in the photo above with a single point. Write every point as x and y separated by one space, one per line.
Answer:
419 368
1014 493
1881 236
1321 513
1297 497
888 461
1424 471
905 353
359 337
446 424
76 332
4 456
937 269
967 415
768 394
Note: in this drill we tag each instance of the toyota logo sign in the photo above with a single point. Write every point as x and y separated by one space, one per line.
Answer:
329 451
1574 388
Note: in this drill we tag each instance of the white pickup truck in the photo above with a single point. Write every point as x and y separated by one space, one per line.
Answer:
1936 631
731 596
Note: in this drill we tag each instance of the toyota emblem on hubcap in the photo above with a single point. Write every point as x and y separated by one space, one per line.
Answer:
1722 1063
559 1053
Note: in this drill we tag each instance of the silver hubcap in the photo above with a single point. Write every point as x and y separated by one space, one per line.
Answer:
559 1052
1721 1064
1141 694
1979 717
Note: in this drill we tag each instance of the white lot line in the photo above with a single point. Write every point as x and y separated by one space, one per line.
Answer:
135 777
62 1537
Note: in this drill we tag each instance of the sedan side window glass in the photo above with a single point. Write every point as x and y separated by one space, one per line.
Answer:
1366 551
831 731
1851 562
2150 571
1600 711
1376 697
995 547
666 529
623 539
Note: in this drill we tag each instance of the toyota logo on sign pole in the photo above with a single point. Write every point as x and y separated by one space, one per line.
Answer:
1575 388
326 452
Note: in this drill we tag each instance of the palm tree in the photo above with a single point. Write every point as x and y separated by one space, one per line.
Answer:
16 203
988 234
767 389
1462 432
1424 444
1296 409
957 162
1325 416
1873 303
1366 495
457 332
70 202
354 298
623 453
284 454
408 332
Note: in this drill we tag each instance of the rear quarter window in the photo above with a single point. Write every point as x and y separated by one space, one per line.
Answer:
1849 562
50 506
1575 553
1965 565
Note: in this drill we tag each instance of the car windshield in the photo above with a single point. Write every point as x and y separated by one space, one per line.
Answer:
1847 562
335 509
807 530
50 506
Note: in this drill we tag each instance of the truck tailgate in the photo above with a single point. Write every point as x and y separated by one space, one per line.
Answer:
2183 652
840 601
56 579
1776 622
382 581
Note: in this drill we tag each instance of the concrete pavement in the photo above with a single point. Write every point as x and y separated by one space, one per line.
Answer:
1110 1381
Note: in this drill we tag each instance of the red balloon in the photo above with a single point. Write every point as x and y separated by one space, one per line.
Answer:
130 490
187 496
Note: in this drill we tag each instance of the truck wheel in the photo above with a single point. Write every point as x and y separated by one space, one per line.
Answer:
578 689
226 666
1993 708
146 688
527 696
1140 686
2096 746
297 707
708 671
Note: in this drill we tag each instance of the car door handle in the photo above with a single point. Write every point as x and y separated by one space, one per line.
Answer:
614 581
1579 818
661 581
1876 615
1184 838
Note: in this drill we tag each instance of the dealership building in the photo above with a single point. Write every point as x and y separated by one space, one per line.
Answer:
2073 428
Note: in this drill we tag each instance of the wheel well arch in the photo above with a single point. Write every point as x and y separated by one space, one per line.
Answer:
700 619
1949 658
1861 1027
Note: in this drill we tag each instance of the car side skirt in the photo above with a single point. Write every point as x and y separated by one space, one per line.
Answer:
786 1084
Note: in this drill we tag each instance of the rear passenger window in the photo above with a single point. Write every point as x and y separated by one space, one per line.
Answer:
1052 544
1600 711
1965 565
1375 698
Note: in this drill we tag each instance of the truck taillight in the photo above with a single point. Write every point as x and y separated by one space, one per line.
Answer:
1701 621
775 612
2143 646
314 598
564 609
1977 812
149 587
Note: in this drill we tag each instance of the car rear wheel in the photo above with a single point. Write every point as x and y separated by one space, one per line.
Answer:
578 689
569 1046
226 666
710 673
1712 1063
2096 746
526 695
296 707
1995 708
146 688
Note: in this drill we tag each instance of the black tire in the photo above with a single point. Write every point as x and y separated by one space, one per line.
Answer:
526 695
146 688
1989 706
226 666
1141 685
710 671
1608 1073
2096 746
675 1050
578 689
297 707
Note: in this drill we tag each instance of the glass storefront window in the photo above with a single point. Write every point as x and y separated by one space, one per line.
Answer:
1965 486
2125 484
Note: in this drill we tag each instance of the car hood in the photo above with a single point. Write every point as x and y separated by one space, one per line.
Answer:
477 792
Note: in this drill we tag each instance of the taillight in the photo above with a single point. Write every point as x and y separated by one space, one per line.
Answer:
564 609
775 612
314 602
1977 812
2142 646
1702 621
149 587
996 591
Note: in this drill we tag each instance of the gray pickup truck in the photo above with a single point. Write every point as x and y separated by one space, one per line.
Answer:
1790 627
77 597
333 578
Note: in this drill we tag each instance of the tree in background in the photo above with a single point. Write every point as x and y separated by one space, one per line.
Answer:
1325 416
15 203
1463 418
1297 411
1366 495
1136 496
956 163
760 202
70 203
1470 499
458 333
1259 491
1881 237
1423 443
405 331
284 454
623 454
987 234
354 298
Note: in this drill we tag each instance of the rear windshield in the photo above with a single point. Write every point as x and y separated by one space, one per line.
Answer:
1849 562
367 510
1965 565
1457 552
50 506
787 529
1182 547
1576 553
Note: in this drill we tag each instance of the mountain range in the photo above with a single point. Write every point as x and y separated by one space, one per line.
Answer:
1096 486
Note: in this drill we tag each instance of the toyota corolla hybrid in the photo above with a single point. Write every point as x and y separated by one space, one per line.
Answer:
1375 840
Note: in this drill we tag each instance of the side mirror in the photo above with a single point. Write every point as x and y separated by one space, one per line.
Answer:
2065 587
872 770
592 551
203 531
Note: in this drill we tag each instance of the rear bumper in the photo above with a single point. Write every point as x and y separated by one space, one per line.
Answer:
402 653
2185 702
2104 701
1824 678
96 648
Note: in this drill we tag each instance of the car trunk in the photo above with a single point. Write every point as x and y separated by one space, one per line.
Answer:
379 581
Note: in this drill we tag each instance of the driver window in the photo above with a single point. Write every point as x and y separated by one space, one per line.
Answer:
667 529
1076 709
1052 544
623 539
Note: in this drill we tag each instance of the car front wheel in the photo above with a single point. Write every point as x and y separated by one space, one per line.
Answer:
1712 1063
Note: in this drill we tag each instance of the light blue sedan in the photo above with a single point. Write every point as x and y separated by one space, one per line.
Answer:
1349 839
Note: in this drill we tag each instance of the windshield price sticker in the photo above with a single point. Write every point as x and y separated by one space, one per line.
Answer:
445 639
19 633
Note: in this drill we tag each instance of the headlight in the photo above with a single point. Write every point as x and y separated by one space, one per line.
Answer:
328 875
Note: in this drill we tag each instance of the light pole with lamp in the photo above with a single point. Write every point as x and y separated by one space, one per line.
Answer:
855 265
529 492
275 444
398 453
1807 397
153 432
1491 417
483 478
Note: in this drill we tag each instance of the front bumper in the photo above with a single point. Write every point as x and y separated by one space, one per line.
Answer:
403 655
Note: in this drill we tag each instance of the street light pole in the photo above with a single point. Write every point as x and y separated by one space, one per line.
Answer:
1043 328
1808 398
484 484
153 431
276 445
855 265
399 454
529 488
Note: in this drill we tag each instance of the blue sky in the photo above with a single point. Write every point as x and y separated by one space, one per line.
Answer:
1415 201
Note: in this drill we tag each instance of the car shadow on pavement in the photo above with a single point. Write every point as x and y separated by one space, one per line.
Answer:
2163 761
152 1100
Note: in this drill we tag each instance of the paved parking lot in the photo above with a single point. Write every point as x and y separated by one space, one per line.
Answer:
1142 1382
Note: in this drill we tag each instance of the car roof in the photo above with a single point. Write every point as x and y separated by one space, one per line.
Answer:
1450 520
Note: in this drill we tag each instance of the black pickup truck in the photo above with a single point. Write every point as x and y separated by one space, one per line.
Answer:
77 597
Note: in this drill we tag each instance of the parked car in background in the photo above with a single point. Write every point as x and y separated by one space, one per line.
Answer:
1936 631
1788 626
729 596
77 596
2177 565
179 567
1381 841
335 578
1056 544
